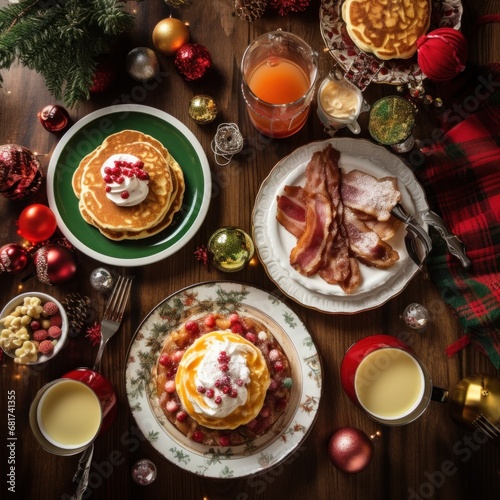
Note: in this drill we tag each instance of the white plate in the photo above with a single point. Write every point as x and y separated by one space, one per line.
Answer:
225 462
274 243
86 135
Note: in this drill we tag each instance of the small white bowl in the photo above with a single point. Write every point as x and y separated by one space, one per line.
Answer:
19 300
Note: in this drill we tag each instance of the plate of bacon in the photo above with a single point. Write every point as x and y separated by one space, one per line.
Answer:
323 228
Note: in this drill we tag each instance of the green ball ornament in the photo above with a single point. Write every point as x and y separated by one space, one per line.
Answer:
230 249
203 109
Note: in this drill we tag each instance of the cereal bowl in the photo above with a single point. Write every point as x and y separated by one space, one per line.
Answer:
33 328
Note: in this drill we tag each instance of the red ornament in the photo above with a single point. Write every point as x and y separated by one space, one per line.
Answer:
13 258
442 54
192 61
20 172
54 264
36 223
54 118
350 450
104 75
286 6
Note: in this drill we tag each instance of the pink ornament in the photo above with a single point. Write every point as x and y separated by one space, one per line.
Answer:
54 264
442 54
350 450
192 61
20 172
36 223
13 258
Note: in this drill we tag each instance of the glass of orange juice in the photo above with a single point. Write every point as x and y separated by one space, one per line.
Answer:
279 72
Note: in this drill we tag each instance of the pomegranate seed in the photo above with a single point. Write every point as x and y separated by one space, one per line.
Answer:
234 393
224 368
210 393
225 441
240 382
181 416
218 400
201 389
226 389
124 194
278 366
165 360
108 189
198 436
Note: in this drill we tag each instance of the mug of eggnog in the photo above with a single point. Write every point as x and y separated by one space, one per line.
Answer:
66 416
384 377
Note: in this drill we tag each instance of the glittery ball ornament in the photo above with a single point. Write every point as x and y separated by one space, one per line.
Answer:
416 316
202 109
230 249
144 472
142 64
169 35
13 258
350 450
20 172
54 264
192 61
442 54
54 118
102 280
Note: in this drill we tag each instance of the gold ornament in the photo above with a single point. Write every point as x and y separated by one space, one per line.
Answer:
202 109
230 249
169 35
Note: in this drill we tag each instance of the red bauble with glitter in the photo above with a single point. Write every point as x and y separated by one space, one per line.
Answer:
54 118
36 223
13 258
104 75
54 264
192 61
350 450
20 172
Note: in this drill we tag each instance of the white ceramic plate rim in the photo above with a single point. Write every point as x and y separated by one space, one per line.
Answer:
280 448
273 243
207 183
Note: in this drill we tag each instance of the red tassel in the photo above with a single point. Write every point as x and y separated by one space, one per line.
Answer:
462 342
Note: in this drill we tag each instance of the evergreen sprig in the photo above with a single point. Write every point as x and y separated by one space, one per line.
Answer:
61 39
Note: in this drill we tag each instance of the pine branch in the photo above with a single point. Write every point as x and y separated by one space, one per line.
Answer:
60 39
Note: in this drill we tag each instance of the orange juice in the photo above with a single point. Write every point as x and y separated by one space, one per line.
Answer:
278 81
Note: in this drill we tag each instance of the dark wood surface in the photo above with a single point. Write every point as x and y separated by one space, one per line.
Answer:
408 462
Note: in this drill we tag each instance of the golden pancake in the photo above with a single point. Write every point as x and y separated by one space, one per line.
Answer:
387 28
141 216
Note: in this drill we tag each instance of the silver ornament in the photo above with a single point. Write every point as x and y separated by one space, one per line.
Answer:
142 64
416 316
144 472
102 280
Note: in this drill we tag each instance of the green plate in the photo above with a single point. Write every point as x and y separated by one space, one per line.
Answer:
90 132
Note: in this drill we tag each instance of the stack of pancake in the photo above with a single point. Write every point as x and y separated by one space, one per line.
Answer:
389 29
155 213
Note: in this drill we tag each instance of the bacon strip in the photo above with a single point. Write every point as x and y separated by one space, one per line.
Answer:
366 244
292 207
376 197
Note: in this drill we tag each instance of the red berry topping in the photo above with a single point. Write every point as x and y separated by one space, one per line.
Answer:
198 436
165 360
278 366
192 326
124 195
218 400
251 337
233 393
234 318
225 441
237 328
210 393
210 321
201 389
181 416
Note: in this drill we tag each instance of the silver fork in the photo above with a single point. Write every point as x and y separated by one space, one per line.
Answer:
113 314
111 320
489 428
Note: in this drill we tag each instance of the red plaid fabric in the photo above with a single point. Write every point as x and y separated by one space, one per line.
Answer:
461 177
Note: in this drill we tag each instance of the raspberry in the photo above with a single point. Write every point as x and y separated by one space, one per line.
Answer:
210 393
46 347
50 308
54 332
56 320
40 335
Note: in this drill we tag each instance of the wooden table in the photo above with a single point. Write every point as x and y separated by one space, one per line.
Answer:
431 457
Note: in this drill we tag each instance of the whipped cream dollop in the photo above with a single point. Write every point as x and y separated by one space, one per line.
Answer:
126 181
221 378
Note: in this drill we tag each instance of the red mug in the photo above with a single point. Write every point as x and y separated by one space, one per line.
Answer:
383 376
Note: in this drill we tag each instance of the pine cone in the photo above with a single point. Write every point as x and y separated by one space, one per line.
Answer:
249 10
78 310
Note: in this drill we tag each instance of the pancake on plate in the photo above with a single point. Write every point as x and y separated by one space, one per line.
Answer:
166 188
389 29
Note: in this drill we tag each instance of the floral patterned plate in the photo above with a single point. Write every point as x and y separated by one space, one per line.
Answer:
445 13
254 457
